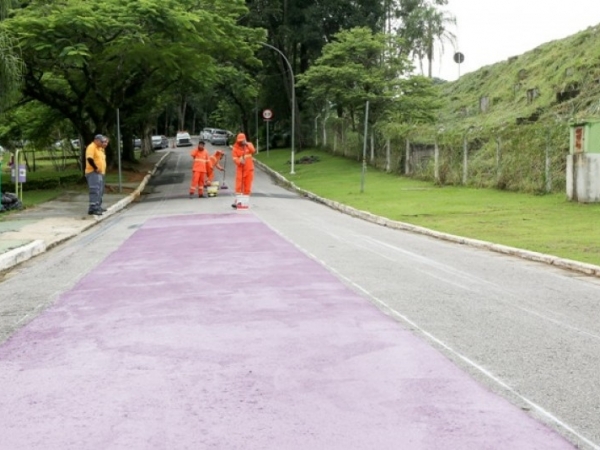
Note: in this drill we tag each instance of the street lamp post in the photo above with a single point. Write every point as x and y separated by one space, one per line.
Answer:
1 158
292 78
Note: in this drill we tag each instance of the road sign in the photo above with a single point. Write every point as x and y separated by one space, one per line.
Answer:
459 58
267 114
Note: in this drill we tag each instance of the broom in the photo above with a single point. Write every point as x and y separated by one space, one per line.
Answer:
223 185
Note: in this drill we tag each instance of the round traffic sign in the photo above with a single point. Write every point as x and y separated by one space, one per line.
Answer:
267 114
459 58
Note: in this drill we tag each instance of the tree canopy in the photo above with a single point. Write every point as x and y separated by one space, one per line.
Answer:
86 59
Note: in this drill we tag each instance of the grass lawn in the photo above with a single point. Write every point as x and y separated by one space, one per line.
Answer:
548 223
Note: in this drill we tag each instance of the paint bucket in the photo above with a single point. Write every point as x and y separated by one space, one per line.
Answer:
212 190
242 201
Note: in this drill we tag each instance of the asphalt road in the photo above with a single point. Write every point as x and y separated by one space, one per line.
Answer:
523 330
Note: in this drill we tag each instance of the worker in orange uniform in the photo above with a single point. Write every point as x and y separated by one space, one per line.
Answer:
213 163
241 153
199 169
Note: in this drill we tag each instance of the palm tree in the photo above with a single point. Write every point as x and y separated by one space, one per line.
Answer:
425 25
436 31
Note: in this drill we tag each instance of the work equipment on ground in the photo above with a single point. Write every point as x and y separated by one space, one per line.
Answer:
212 189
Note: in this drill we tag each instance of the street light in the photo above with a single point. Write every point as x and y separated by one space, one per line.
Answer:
1 158
293 100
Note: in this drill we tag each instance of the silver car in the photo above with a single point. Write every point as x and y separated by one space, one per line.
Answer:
159 142
219 137
206 134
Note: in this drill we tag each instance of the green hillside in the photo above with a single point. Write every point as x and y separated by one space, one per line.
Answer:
510 121
556 81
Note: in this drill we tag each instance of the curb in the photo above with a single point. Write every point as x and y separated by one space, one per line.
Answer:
568 264
18 255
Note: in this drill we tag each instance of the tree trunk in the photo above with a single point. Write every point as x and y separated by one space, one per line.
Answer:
181 111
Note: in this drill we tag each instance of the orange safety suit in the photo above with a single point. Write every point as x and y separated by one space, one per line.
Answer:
213 162
199 170
241 153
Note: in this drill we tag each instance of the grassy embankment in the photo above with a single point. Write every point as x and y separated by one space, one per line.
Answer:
543 223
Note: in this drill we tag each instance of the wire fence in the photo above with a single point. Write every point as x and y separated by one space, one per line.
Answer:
526 158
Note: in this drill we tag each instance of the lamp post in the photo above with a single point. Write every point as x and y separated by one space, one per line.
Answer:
293 84
1 158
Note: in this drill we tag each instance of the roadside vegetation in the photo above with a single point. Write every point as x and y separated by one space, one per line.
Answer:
361 80
548 224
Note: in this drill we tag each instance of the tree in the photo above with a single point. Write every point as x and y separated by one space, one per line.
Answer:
10 62
300 29
422 26
351 71
86 59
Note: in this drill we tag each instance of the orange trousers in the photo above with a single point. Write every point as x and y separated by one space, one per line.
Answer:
197 182
243 180
210 176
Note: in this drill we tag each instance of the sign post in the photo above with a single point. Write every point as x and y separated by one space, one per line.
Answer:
267 116
459 58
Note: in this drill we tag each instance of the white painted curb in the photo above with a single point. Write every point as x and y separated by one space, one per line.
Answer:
568 264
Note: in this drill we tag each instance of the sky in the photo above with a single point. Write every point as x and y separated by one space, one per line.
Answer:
490 31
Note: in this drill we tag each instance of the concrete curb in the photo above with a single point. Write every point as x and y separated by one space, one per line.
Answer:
568 264
20 254
28 251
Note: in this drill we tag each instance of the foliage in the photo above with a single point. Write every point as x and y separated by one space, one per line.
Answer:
360 66
86 59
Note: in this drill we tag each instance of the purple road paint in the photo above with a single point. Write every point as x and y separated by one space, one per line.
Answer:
213 332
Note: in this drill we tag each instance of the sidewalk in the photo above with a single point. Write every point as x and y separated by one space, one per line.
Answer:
33 231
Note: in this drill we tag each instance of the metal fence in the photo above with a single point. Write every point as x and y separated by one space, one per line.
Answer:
527 158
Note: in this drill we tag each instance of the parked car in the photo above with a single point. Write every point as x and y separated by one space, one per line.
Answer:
206 133
183 139
137 142
219 137
159 142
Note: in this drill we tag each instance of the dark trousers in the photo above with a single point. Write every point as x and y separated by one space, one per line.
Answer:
95 183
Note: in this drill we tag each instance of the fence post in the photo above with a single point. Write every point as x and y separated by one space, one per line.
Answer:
335 135
407 158
465 160
548 172
388 162
498 159
436 162
436 156
466 155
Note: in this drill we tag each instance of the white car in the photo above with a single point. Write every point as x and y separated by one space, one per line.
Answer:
183 139
206 133
159 142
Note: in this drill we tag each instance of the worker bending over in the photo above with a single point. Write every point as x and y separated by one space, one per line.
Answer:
213 163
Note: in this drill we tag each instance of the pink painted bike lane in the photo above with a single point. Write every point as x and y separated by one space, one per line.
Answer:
213 332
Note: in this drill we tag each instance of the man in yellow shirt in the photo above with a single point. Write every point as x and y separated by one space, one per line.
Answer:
95 168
